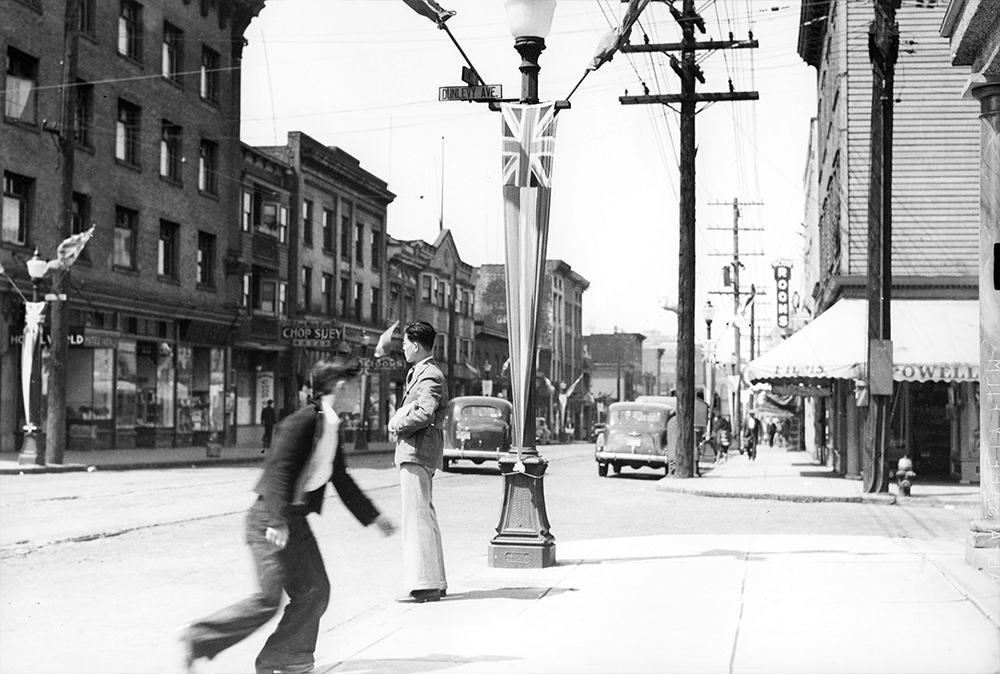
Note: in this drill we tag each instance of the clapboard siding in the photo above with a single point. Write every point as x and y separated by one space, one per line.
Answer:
935 148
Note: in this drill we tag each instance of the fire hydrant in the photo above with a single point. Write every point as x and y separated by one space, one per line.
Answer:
904 473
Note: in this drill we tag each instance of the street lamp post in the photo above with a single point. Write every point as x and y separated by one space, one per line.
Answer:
708 312
361 441
31 367
523 538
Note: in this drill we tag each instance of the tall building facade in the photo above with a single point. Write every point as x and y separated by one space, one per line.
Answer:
338 273
155 109
934 243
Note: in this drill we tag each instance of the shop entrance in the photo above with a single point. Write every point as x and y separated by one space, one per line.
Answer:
930 429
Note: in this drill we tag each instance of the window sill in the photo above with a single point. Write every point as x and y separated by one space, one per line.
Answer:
130 271
210 102
33 127
210 195
128 165
173 81
206 287
129 59
172 181
168 279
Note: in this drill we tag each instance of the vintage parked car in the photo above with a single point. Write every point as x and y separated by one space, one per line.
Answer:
543 435
597 430
636 436
477 429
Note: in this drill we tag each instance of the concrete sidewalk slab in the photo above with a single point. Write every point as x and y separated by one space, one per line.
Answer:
699 603
795 476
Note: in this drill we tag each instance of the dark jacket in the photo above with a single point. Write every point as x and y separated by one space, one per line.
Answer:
291 449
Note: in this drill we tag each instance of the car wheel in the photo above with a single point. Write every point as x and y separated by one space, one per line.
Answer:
602 469
617 468
445 463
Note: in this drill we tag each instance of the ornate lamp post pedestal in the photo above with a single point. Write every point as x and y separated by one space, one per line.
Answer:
523 540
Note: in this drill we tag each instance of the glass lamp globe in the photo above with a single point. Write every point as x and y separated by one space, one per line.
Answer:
530 18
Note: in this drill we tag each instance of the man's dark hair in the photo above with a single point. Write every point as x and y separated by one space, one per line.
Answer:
326 373
422 333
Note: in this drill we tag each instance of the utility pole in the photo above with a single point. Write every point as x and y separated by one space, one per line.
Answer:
883 50
55 420
688 71
737 421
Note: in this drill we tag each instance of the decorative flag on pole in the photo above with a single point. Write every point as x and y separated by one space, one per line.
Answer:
573 386
528 149
70 249
618 36
32 333
384 340
431 10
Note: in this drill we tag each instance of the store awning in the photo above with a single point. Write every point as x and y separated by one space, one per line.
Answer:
932 340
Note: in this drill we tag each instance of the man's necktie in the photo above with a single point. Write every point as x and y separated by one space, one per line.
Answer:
409 377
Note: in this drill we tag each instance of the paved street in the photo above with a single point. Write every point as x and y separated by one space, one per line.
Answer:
99 571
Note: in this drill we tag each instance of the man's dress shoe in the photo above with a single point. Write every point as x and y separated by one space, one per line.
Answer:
420 596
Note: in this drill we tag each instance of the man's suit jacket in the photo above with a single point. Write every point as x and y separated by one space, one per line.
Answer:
417 422
291 449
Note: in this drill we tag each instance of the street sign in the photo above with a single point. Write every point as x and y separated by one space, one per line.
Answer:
479 93
470 77
313 334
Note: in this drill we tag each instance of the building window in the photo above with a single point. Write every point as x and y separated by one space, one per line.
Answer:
17 193
264 295
166 252
246 290
282 298
80 219
83 113
359 245
246 211
282 224
465 303
20 101
210 85
173 44
359 291
328 230
305 298
206 259
327 289
442 294
345 285
127 133
85 16
376 254
425 288
208 167
376 304
126 227
307 223
170 150
346 216
130 30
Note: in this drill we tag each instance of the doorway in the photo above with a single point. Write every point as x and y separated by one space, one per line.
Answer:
930 429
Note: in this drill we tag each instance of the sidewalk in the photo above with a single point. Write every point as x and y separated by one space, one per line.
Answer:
160 457
796 476
700 603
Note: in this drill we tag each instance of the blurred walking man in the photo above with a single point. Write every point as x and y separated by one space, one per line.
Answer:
419 450
305 457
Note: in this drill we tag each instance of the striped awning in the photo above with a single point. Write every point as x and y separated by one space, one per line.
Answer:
932 340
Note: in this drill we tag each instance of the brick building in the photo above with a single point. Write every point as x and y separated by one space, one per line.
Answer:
156 109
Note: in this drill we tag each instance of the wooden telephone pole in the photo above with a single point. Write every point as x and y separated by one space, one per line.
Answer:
883 50
688 71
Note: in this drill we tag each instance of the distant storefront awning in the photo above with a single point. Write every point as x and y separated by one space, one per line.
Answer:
933 340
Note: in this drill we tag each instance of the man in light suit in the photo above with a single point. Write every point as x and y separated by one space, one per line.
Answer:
419 449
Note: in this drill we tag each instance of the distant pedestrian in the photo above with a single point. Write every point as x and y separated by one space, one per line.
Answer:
268 418
419 452
751 434
771 430
306 456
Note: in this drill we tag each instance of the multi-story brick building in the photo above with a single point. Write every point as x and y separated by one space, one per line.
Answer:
429 282
156 109
338 269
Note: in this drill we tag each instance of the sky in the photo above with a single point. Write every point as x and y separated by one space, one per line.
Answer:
363 75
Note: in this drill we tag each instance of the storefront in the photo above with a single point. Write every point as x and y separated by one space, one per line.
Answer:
935 402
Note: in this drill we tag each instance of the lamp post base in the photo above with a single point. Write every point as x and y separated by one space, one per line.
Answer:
523 540
32 450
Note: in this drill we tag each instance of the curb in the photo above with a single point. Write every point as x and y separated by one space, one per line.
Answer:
154 465
881 499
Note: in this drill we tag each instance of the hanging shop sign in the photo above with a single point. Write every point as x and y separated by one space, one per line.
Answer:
318 335
384 364
782 273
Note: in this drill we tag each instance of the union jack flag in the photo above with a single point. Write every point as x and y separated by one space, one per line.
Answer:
529 141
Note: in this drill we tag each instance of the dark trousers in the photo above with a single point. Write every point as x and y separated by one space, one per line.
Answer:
268 431
298 570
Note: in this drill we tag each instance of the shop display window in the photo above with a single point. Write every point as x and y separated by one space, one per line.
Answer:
89 380
155 378
125 400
